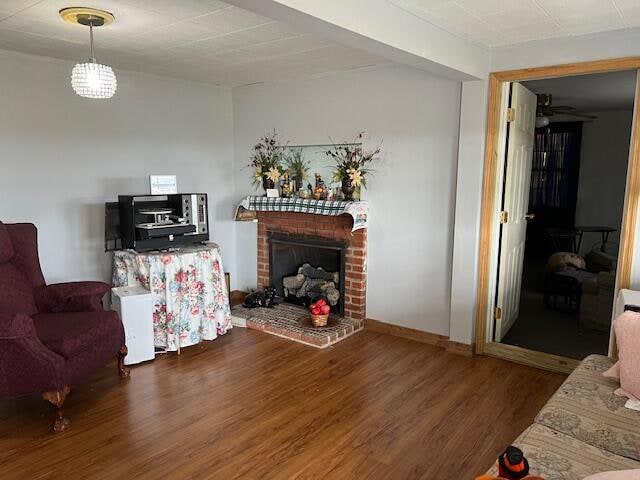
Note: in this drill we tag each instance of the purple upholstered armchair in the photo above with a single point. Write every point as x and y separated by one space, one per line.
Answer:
52 337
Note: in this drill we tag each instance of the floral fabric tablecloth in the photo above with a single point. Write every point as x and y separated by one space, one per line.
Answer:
191 302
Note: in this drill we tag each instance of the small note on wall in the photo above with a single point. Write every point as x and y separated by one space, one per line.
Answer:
163 184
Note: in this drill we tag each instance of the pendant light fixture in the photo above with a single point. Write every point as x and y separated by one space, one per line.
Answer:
91 79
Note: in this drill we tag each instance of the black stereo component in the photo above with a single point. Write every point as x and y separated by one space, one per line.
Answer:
156 222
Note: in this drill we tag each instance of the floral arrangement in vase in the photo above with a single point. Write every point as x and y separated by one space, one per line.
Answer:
351 161
298 167
267 160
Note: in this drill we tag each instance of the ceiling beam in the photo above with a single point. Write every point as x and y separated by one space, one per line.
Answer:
381 28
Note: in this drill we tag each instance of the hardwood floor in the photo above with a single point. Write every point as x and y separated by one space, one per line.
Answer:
253 406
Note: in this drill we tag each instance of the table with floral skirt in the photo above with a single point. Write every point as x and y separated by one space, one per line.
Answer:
190 298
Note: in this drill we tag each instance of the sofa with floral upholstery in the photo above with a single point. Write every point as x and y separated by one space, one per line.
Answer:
584 428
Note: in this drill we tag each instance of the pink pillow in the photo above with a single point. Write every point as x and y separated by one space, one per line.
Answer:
627 369
620 475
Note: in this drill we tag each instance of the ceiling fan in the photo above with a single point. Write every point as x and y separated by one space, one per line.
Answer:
546 109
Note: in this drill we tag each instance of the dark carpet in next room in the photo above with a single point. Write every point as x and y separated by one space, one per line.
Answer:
548 330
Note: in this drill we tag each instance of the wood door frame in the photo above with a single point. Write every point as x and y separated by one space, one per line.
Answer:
490 185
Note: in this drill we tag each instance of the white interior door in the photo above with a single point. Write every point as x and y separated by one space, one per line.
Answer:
519 157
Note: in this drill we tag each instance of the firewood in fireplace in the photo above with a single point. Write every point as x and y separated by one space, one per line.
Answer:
294 282
311 282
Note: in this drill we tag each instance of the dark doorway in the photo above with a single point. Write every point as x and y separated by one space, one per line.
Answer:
576 200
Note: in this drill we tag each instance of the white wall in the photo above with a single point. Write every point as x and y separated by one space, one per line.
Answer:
604 155
62 156
411 195
466 233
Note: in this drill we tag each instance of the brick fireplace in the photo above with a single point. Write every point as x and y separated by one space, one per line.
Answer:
321 228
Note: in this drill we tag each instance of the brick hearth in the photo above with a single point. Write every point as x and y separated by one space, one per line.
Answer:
337 228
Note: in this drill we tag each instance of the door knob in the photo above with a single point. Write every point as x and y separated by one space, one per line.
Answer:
530 216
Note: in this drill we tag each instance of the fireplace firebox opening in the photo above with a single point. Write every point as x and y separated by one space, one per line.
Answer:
302 268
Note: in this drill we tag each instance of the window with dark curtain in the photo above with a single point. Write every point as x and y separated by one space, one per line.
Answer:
554 175
554 184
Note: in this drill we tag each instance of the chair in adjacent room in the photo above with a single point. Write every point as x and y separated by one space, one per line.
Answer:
52 337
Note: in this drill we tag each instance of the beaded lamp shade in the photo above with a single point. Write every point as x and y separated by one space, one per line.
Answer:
91 79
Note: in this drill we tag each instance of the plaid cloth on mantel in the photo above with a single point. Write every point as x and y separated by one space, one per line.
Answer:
359 211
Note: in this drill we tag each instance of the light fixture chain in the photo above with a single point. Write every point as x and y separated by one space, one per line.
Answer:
93 55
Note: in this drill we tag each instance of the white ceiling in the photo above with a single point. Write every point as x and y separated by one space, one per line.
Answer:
493 23
601 92
202 40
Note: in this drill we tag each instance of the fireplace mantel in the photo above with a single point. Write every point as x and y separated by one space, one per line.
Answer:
359 211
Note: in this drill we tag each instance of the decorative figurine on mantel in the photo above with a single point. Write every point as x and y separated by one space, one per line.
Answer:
320 191
267 161
285 187
350 165
304 193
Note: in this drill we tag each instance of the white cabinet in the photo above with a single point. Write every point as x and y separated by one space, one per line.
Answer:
135 307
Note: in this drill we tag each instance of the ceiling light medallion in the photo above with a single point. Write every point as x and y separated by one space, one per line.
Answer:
91 79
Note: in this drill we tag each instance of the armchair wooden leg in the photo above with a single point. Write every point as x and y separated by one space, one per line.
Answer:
57 397
123 371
